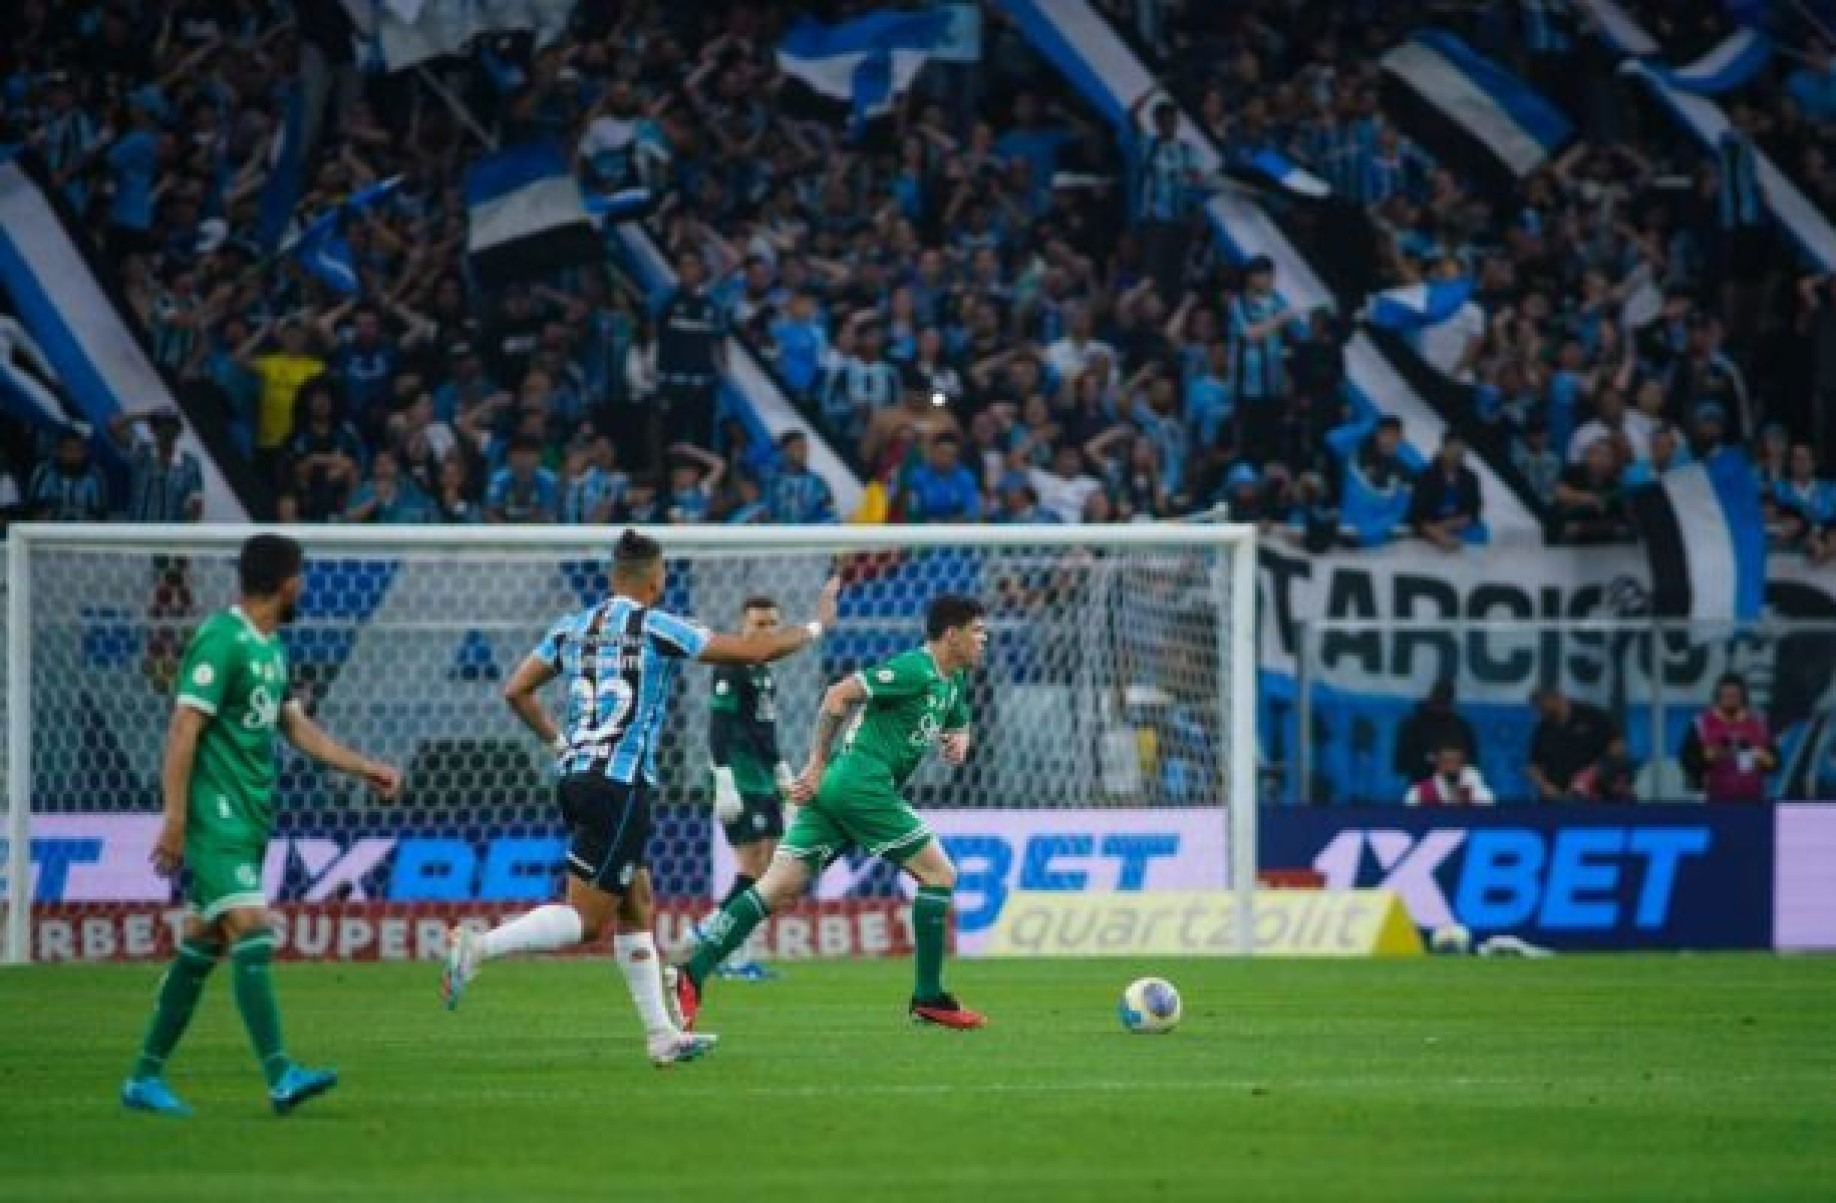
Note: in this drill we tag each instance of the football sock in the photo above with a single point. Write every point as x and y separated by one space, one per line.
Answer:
252 957
179 991
636 953
726 932
741 883
930 916
542 930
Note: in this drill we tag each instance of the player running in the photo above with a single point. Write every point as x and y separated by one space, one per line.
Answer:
912 701
218 782
749 777
618 660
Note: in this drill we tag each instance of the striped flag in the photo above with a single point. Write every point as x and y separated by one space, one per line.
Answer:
1460 104
1740 56
866 63
525 215
1706 537
1414 306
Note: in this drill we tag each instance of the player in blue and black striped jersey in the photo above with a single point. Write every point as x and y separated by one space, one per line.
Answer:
617 661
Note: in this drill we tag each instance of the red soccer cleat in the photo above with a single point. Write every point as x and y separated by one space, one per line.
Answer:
945 1012
688 997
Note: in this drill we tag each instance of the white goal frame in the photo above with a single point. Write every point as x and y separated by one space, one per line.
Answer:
1235 543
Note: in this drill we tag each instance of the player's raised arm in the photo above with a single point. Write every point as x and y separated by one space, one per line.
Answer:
767 646
316 743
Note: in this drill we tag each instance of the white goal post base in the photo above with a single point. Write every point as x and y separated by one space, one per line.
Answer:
1120 682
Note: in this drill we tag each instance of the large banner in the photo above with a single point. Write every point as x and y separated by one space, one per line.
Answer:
1568 878
1365 679
1649 876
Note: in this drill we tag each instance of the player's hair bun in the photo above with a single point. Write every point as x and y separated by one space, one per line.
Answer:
633 546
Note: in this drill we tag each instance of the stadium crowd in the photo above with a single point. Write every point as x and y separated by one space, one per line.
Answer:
991 307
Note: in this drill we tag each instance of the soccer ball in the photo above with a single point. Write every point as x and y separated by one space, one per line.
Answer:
1451 939
1150 1006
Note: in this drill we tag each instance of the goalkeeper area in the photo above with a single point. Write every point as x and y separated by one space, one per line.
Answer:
1583 1078
1116 707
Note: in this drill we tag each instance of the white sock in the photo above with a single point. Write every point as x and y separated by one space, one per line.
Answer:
637 960
542 930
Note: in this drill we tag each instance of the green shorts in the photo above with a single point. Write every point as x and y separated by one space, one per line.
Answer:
224 877
857 807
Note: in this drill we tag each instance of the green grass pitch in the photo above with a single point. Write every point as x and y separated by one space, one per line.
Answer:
1587 1078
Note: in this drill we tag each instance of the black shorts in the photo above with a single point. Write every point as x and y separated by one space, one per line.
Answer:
608 829
763 819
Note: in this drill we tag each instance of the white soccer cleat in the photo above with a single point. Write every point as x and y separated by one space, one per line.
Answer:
463 958
671 1003
675 1048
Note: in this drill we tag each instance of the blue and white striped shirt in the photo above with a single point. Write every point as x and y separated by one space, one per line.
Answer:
617 661
54 496
1162 166
162 490
801 496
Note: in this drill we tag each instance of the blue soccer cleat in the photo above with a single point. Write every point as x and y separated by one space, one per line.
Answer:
746 971
152 1095
298 1085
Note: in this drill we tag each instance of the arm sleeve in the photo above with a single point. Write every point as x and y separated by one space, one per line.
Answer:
549 650
210 662
891 680
678 638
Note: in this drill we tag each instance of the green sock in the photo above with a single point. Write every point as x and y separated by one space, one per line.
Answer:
179 991
726 931
252 955
930 919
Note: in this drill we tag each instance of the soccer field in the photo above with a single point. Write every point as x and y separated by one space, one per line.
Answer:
1663 1078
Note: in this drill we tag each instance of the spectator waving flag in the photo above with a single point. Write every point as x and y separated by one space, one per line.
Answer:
321 247
1463 105
866 63
1706 537
1415 306
525 216
286 173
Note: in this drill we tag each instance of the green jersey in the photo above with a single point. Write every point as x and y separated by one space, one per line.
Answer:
909 704
237 676
743 726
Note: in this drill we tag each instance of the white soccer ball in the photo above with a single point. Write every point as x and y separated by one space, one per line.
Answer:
1451 939
1150 1006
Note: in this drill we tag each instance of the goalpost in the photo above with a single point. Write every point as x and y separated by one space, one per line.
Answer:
1114 718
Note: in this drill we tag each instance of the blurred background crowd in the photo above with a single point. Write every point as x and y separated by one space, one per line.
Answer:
990 306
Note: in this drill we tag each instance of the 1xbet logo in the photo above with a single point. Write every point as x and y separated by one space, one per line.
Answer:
1579 879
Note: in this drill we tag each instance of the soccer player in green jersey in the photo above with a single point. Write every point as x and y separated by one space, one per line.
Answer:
218 782
899 709
749 777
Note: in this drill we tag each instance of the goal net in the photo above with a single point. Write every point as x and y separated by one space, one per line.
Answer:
1113 718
